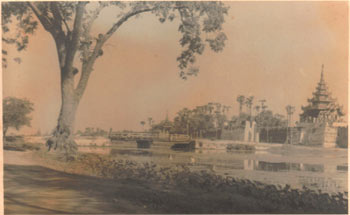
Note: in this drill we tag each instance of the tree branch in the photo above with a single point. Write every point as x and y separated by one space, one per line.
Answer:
86 38
88 64
84 78
74 41
67 27
58 16
43 19
115 27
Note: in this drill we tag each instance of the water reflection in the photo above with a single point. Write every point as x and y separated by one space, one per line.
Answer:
285 166
323 183
185 147
135 152
245 164
343 168
255 165
95 150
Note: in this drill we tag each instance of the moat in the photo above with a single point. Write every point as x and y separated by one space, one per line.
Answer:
316 168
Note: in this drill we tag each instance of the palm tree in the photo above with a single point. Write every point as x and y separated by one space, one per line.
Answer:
263 106
240 100
150 122
257 109
143 124
290 110
249 103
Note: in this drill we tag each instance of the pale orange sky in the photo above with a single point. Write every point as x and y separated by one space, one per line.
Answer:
274 51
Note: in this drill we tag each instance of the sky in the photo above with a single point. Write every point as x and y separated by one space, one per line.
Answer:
274 51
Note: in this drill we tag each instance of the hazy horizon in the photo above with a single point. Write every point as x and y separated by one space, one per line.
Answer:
274 51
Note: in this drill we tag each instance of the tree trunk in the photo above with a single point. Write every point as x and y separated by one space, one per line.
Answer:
63 135
67 45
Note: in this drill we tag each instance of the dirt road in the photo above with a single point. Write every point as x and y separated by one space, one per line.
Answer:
38 190
34 189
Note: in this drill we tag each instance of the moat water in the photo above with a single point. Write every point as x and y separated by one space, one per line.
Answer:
316 168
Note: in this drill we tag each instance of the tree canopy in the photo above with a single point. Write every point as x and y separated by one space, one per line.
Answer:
200 25
199 121
16 113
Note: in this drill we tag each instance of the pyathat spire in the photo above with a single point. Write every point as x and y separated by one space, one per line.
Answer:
320 103
321 88
322 71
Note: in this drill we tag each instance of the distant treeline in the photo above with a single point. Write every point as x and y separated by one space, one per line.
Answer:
209 120
92 132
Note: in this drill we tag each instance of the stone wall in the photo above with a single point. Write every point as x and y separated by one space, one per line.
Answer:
330 137
342 137
246 133
236 134
317 134
273 135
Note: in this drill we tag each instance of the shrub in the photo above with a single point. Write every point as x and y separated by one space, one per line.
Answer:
16 143
273 198
240 147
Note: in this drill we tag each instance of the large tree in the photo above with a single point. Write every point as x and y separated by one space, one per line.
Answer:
16 113
70 24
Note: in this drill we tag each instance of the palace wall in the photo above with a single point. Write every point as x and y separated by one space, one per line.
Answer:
246 133
273 135
319 134
342 137
236 134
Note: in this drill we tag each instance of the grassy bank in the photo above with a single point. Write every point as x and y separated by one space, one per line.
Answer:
221 194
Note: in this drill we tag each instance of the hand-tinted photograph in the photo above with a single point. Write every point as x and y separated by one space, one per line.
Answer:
175 107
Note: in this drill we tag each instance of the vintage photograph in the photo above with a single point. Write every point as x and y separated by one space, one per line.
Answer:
175 107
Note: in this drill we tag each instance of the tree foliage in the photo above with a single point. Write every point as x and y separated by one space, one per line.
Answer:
267 119
196 122
16 113
200 25
89 131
